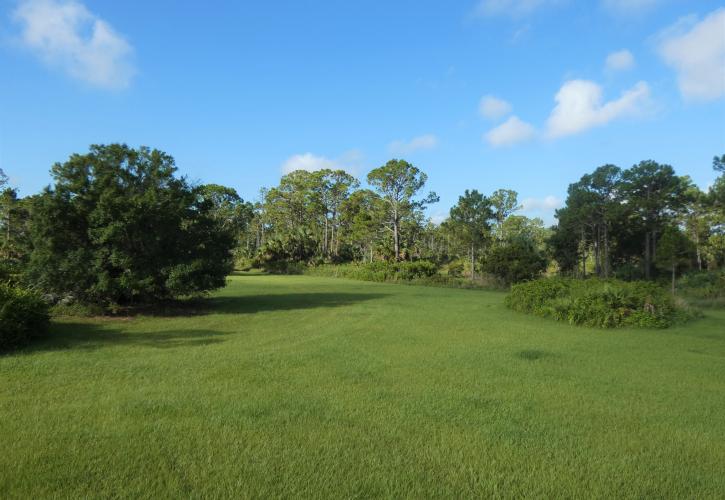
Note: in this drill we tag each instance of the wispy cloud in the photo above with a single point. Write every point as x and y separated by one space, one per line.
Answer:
492 107
422 142
696 50
580 106
510 132
515 8
629 7
521 8
621 60
66 35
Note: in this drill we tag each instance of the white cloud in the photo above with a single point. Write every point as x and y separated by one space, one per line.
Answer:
511 132
438 217
549 203
620 61
511 7
629 6
64 34
349 162
698 56
422 142
307 161
579 107
544 208
492 107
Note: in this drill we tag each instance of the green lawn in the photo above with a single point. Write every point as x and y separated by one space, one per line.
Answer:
301 386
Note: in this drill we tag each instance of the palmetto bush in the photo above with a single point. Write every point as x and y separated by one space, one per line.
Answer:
598 303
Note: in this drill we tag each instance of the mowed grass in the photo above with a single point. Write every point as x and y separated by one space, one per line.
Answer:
313 387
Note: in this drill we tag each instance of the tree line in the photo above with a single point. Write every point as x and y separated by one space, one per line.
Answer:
118 225
325 216
635 222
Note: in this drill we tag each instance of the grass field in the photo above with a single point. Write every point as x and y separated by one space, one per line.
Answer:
313 387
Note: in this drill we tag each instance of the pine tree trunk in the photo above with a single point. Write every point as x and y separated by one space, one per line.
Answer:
7 235
584 255
324 240
473 263
647 257
607 264
597 256
697 250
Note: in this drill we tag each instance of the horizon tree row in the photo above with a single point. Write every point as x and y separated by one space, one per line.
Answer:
324 216
119 226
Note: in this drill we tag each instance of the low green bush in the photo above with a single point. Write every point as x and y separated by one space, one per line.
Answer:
380 271
78 310
598 303
703 288
423 273
23 317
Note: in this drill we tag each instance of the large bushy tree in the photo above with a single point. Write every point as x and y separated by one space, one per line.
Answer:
118 226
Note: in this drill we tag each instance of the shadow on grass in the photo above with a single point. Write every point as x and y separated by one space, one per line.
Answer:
248 304
92 336
95 334
284 302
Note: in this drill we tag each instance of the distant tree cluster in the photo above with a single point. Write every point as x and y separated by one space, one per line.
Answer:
324 216
633 223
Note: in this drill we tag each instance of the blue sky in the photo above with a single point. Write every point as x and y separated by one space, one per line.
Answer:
520 94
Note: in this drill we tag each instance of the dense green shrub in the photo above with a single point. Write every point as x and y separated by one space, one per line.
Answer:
703 288
119 227
23 316
455 268
598 303
517 261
